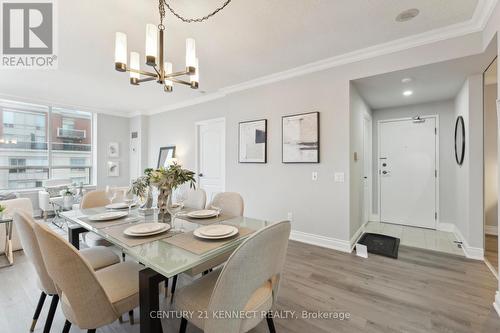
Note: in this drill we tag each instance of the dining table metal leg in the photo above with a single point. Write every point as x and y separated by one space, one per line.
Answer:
74 232
149 302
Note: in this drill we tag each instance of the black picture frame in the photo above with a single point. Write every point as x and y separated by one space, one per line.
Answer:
264 161
317 138
165 151
460 122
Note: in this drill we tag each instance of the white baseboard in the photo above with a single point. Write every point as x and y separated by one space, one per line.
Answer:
356 236
443 226
496 304
374 218
322 241
491 230
475 253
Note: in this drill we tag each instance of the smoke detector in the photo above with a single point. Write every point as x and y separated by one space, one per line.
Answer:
407 15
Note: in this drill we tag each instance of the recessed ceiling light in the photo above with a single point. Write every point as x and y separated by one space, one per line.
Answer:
406 80
407 93
407 15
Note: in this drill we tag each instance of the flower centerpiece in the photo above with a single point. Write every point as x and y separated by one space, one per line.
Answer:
165 180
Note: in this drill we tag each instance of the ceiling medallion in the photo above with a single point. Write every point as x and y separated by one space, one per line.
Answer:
155 57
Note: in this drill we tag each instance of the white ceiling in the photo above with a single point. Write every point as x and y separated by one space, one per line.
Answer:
247 40
430 83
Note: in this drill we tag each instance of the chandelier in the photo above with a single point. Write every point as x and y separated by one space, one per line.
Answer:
155 56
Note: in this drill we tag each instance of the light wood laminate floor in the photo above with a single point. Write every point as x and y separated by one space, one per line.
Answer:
422 291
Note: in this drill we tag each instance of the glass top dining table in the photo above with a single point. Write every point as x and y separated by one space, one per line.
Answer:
162 260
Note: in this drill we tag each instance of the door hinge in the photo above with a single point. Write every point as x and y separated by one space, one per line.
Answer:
435 216
435 130
435 173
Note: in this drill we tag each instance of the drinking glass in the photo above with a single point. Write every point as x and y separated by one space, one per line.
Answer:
173 208
129 198
182 195
110 193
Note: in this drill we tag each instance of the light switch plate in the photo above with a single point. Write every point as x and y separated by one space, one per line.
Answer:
339 177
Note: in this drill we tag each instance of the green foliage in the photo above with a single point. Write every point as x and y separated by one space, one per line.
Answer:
169 178
2 208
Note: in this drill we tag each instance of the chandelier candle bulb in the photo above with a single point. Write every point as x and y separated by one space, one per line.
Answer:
190 55
121 52
135 65
151 44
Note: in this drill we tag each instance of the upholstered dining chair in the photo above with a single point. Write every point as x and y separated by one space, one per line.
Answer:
249 281
94 199
97 257
196 199
89 299
231 203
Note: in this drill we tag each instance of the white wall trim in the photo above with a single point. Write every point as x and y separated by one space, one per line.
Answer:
477 23
496 304
470 252
491 230
374 218
322 241
357 234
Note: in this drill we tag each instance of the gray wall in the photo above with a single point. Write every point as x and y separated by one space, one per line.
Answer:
447 188
112 129
274 189
490 155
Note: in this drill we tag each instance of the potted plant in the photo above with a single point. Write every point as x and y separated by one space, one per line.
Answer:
165 180
67 198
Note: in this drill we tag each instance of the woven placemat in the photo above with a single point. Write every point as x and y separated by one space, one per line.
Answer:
117 232
188 241
220 218
105 224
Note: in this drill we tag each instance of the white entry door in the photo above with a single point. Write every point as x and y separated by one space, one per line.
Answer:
211 159
408 172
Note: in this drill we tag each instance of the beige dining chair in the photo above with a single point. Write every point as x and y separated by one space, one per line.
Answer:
97 257
89 299
94 199
196 199
231 203
248 283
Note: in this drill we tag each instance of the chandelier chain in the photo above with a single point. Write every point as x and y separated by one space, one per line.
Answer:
194 20
161 8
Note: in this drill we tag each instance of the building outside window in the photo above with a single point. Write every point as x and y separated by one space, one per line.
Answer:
27 131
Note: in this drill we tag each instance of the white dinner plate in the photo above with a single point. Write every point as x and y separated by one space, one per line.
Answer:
138 230
216 230
108 216
199 235
202 214
118 205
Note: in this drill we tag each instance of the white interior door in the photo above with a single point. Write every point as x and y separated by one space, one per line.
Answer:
211 160
367 168
408 172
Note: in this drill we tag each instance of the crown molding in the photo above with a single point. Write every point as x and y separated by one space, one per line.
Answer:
477 23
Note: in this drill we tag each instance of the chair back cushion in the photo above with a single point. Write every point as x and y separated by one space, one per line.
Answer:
231 203
89 306
258 260
94 199
11 206
25 225
196 199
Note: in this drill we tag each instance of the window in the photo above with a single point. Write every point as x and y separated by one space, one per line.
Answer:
27 131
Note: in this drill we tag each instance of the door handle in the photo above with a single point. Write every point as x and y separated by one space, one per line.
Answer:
200 174
385 172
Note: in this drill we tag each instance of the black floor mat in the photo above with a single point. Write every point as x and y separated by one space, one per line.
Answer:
381 244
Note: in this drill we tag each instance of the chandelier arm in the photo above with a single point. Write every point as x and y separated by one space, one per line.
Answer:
199 19
180 81
175 74
153 75
146 79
